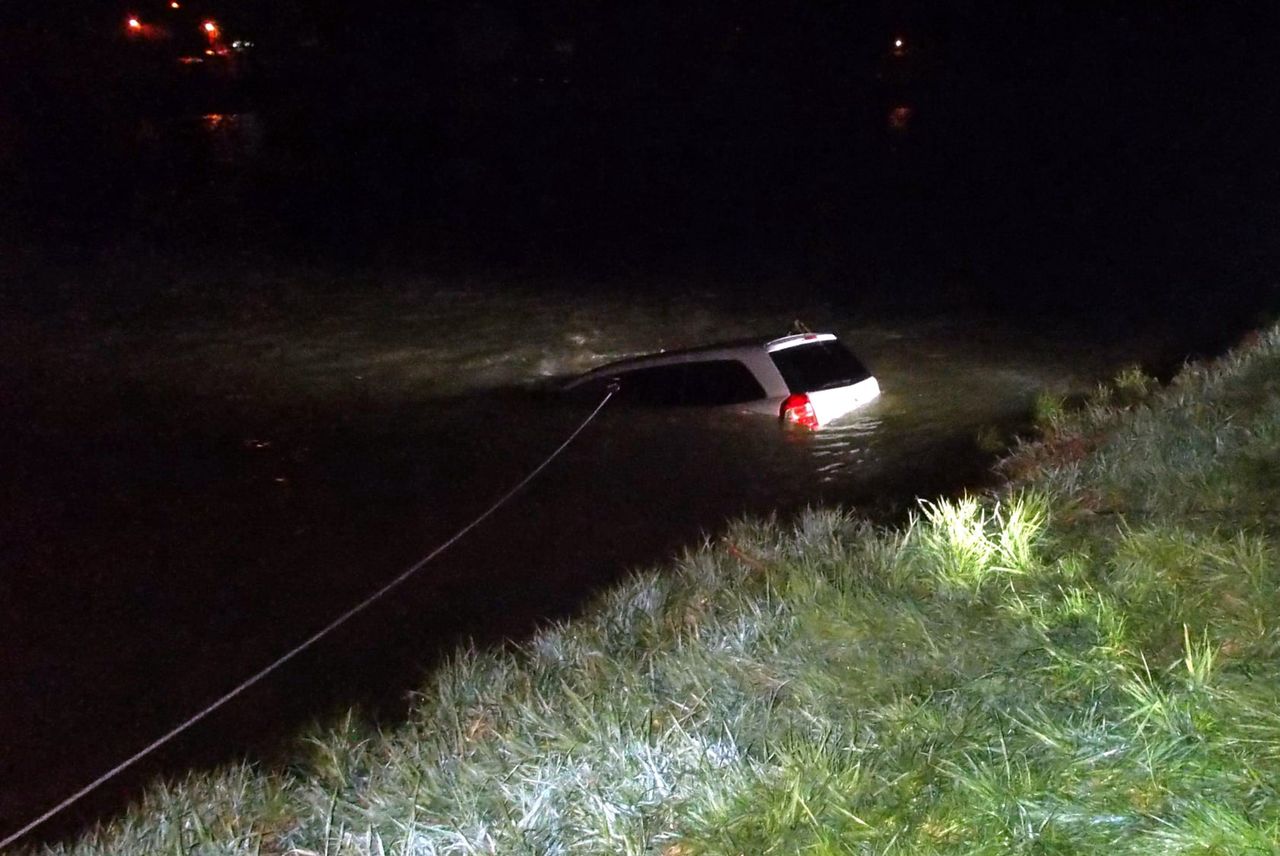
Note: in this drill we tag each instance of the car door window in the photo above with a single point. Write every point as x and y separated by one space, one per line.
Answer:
709 383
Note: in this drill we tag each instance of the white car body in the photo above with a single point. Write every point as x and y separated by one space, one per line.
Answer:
768 362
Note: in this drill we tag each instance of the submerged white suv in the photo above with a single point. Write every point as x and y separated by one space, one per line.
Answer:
805 380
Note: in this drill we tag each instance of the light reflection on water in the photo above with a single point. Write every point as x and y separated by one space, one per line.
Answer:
845 443
227 140
232 138
900 118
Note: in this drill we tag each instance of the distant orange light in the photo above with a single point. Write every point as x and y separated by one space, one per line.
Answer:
175 5
134 24
211 28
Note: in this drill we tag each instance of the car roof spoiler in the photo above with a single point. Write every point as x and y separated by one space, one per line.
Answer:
797 339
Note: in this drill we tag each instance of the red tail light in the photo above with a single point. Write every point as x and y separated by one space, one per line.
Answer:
798 410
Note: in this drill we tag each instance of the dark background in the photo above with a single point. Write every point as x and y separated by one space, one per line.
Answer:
1054 153
1106 168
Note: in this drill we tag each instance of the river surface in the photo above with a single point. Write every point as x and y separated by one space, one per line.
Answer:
186 499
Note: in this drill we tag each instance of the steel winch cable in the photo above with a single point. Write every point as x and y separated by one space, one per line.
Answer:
313 638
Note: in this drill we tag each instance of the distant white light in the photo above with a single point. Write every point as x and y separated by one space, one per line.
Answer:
897 43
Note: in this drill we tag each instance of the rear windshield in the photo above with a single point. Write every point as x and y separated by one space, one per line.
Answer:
709 383
818 365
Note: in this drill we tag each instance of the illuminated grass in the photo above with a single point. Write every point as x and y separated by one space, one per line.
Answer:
1088 663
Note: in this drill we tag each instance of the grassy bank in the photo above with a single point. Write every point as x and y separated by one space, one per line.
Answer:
1086 663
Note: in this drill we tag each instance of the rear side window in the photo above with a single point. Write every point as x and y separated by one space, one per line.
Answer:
818 365
710 383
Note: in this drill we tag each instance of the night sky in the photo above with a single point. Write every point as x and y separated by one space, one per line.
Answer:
1117 142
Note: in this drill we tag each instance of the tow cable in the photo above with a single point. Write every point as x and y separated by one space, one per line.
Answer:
315 637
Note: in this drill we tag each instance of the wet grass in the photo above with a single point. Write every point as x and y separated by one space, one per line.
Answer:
1087 662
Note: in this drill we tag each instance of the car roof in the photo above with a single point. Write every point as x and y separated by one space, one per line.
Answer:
736 348
731 345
